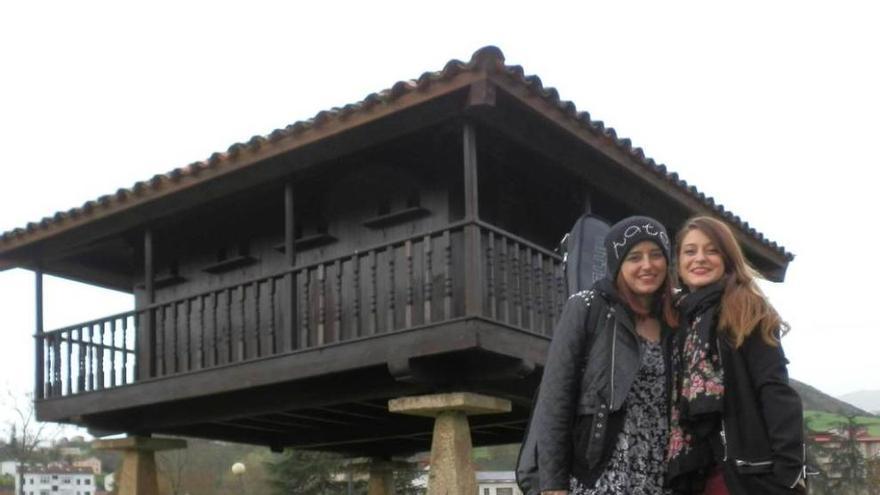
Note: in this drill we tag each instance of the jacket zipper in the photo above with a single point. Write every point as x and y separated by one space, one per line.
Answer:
740 462
613 357
723 425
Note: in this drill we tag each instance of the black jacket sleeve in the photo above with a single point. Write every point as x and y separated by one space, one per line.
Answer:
780 405
558 396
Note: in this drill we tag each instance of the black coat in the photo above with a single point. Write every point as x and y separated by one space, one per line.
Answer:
763 420
580 408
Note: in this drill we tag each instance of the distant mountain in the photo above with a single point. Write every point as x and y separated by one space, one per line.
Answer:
866 399
816 400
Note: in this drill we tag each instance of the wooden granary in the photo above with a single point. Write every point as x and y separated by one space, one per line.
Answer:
287 288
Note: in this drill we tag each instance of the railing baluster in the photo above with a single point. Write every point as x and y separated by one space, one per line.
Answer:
46 343
113 351
272 338
503 296
161 351
84 377
374 295
410 295
550 290
259 343
539 293
189 335
390 323
86 339
322 304
99 358
447 275
356 275
243 323
427 283
337 321
528 288
56 378
124 377
202 328
490 278
306 309
228 338
215 331
80 366
517 283
56 370
175 338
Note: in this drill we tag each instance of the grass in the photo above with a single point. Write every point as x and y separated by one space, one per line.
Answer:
823 421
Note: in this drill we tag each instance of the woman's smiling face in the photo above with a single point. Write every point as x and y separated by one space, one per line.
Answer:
644 268
700 262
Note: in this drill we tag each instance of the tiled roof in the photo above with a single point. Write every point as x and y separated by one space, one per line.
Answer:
55 470
488 59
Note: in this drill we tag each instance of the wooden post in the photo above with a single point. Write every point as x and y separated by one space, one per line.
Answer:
473 282
290 257
39 379
147 337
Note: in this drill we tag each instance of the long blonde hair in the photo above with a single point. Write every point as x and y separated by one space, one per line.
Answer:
744 307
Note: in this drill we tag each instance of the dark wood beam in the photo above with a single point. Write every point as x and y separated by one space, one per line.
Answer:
473 261
39 377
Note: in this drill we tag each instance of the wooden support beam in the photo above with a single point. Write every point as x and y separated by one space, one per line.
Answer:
290 341
473 283
39 378
146 337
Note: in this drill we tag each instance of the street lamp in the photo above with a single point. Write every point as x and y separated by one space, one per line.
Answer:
238 469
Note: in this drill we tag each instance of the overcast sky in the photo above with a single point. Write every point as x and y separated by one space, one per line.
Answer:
770 107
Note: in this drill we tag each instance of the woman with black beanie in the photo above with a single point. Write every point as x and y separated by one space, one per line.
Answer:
736 426
600 421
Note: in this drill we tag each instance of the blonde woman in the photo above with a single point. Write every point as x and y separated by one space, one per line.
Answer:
736 424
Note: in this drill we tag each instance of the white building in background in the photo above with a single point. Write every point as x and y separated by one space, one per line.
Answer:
8 468
92 463
497 483
55 481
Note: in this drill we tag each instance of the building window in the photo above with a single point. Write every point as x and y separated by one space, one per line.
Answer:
504 491
87 481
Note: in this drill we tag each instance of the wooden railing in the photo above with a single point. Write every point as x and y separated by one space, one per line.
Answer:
384 288
524 282
389 287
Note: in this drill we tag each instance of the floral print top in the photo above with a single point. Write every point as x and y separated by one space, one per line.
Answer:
637 464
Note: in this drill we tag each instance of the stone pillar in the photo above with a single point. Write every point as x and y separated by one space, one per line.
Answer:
452 468
381 478
138 474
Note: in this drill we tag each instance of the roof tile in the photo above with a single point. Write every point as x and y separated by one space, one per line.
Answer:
489 59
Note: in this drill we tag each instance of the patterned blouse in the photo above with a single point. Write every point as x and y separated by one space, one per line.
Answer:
637 465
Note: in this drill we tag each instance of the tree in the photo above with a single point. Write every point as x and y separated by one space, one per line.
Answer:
25 433
845 469
308 473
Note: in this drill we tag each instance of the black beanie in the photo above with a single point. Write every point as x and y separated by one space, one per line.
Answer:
627 233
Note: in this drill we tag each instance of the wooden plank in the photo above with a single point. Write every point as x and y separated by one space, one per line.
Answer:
39 379
290 340
473 266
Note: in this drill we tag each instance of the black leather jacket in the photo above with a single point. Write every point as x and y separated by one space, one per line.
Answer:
763 448
580 405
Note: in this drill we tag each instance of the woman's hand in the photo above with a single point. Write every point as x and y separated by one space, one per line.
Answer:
555 492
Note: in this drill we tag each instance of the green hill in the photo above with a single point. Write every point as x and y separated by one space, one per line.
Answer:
816 400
